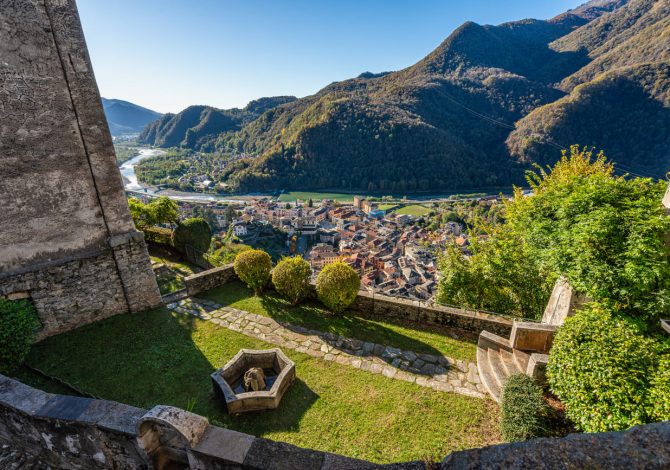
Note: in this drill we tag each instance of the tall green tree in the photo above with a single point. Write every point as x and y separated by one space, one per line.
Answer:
604 233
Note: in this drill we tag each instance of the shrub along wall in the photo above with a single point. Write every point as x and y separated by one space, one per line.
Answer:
368 305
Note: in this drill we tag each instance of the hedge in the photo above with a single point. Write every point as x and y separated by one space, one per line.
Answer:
524 411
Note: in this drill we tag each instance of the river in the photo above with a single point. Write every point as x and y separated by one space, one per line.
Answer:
131 184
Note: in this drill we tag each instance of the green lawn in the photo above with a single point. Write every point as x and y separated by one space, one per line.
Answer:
313 315
413 209
386 207
160 357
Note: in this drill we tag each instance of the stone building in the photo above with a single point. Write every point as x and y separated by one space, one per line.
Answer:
67 240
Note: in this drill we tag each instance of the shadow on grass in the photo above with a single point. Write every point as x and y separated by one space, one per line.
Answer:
311 315
156 358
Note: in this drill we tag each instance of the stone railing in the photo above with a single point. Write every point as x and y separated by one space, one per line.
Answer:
380 306
44 430
41 430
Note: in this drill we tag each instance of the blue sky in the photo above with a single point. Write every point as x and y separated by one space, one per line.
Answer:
169 54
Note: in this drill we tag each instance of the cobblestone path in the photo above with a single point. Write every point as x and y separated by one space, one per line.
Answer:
437 372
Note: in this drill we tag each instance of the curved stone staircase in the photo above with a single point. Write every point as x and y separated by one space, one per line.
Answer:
496 361
525 351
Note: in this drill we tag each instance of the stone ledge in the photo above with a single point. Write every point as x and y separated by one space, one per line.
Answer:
128 237
641 447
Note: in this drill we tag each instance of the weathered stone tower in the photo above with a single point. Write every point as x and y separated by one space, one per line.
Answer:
67 240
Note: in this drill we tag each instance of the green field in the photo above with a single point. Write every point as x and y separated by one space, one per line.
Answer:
291 196
386 207
413 209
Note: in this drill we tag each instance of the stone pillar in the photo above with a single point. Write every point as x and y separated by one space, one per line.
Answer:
67 240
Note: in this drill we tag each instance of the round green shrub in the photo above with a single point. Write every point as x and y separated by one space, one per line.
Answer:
337 286
291 278
600 366
253 268
524 411
18 322
194 232
659 393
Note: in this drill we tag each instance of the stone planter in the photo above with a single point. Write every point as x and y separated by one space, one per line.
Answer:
228 381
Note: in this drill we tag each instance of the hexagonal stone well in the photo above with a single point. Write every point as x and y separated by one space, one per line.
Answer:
228 382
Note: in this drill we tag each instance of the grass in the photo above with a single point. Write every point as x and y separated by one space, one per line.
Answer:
170 283
386 207
313 315
159 357
413 209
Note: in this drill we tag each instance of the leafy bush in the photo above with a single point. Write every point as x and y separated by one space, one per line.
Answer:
659 393
194 232
162 210
600 366
18 322
524 411
159 235
337 286
604 233
253 268
291 278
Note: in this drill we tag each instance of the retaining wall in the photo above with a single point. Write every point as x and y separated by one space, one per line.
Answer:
44 430
370 305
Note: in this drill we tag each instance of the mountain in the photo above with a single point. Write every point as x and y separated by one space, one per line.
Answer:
619 101
475 112
127 118
198 126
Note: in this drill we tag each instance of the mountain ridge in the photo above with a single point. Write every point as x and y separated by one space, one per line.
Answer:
125 117
464 116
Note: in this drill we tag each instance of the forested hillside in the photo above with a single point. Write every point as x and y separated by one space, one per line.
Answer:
475 112
197 126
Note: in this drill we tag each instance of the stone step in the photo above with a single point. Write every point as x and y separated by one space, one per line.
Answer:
508 363
485 372
521 359
495 362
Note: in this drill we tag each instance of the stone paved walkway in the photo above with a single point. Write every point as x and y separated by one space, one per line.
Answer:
437 372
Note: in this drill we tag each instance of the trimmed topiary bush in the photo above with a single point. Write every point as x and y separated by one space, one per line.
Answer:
18 322
600 366
291 278
337 286
253 268
524 411
194 232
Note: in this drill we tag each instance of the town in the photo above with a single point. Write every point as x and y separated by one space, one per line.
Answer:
393 252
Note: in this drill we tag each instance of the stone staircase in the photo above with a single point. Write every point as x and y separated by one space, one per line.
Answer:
526 350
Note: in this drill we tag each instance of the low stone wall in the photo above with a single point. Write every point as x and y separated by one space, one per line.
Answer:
641 447
209 279
375 305
57 431
44 430
380 306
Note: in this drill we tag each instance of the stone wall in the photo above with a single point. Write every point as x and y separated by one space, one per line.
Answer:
642 447
61 431
66 236
42 430
209 279
375 305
